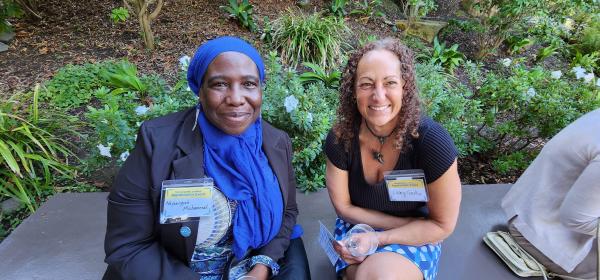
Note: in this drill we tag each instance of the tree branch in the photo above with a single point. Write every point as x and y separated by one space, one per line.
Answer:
156 11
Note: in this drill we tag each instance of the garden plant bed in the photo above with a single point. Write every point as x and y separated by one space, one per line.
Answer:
499 109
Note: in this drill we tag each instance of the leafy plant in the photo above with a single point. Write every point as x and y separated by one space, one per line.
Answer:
73 85
416 9
29 152
330 80
367 9
366 38
588 61
497 19
306 114
451 104
449 58
123 77
589 40
517 45
523 110
337 8
242 12
119 14
310 38
8 9
545 52
267 32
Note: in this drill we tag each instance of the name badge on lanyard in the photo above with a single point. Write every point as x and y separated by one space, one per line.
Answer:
185 200
406 185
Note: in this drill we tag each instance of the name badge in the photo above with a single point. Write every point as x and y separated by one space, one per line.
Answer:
406 185
185 200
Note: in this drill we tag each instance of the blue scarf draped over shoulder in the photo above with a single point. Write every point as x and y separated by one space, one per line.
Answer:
241 170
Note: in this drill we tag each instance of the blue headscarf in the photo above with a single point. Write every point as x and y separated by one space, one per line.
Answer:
237 163
207 52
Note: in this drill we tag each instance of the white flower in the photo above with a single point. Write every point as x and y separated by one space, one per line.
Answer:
506 62
579 72
184 62
309 117
556 74
598 82
531 93
568 24
104 150
290 103
141 110
589 77
124 155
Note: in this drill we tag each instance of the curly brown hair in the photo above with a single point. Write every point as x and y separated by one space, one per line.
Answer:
348 116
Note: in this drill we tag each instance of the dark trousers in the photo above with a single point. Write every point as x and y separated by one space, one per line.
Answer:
294 264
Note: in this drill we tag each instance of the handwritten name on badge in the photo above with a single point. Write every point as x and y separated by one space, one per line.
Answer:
407 189
186 202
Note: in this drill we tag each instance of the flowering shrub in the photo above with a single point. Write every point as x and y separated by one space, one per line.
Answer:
523 110
450 104
306 114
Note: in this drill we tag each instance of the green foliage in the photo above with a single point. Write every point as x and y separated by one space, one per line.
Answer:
589 40
366 9
310 38
307 123
119 14
31 149
267 32
318 74
546 52
73 85
366 38
337 8
452 106
523 110
449 58
498 19
8 9
517 45
415 9
123 77
8 222
588 61
242 12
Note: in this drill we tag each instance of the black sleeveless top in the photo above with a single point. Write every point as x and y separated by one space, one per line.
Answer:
433 151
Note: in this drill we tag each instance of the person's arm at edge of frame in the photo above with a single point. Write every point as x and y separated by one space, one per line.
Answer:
130 244
580 209
444 203
276 248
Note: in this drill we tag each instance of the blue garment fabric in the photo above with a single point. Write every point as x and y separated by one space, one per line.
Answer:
241 170
425 257
208 51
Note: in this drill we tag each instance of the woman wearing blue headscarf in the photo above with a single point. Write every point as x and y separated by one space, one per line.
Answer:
225 139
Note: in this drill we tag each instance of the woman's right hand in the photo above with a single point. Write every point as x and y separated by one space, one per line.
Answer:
345 254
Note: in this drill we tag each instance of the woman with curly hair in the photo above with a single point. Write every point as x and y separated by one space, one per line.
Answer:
380 128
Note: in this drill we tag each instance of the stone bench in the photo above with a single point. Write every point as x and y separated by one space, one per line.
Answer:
64 238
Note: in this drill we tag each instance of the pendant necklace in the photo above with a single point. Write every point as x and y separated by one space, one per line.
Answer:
377 155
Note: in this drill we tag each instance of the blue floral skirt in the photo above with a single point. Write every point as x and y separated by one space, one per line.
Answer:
425 257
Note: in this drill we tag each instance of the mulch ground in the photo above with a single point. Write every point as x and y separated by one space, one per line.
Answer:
76 32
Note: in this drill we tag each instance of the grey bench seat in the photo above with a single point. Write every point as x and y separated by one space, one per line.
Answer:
64 238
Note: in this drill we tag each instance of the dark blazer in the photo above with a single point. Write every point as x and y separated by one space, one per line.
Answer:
136 245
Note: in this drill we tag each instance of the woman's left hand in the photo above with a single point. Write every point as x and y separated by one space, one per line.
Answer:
259 271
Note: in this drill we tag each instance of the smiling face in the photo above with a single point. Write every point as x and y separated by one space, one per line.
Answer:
378 88
230 94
